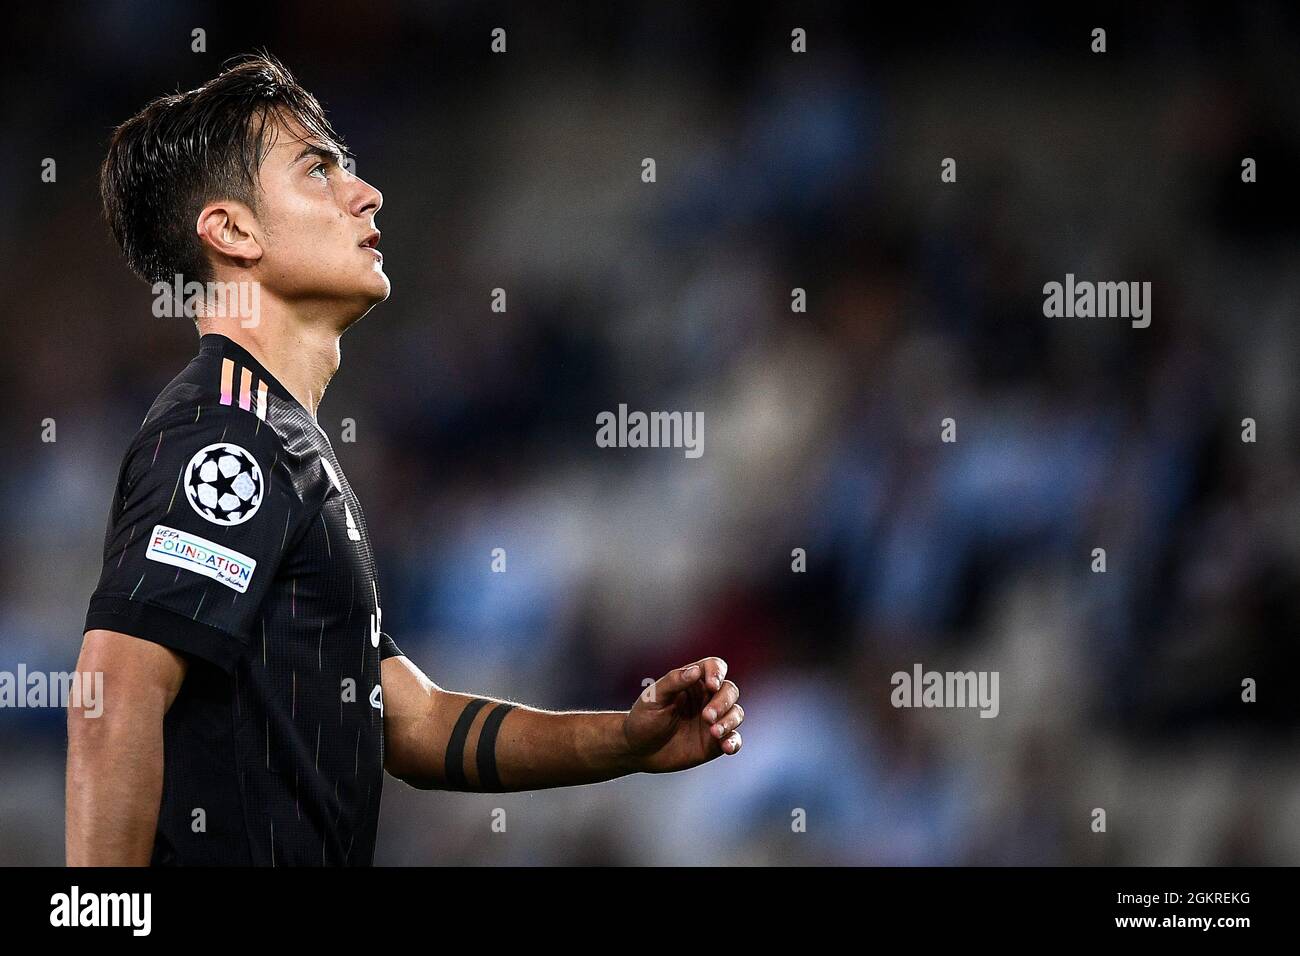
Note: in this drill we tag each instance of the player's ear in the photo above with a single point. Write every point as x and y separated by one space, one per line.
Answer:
226 227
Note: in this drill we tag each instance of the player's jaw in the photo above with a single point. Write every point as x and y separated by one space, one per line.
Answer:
324 271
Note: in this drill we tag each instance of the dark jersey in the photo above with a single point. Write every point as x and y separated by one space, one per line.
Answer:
235 539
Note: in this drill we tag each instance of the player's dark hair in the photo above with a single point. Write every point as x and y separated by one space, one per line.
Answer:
187 149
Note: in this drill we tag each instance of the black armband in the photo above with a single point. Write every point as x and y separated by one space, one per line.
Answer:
455 759
488 779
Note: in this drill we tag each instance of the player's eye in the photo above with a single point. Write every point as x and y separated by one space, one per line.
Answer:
321 168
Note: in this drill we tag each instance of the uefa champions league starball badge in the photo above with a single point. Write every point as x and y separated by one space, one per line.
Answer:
223 483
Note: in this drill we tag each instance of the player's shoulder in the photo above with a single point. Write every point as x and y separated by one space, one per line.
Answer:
224 389
226 397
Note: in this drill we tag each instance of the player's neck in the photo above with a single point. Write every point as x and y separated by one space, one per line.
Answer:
303 357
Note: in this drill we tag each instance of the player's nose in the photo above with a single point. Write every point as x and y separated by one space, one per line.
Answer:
367 199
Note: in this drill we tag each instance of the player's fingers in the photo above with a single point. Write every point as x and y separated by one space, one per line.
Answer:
722 701
728 722
731 743
673 683
715 672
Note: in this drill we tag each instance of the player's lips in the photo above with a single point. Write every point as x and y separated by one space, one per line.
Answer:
370 242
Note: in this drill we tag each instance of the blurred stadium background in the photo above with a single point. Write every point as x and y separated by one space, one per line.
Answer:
475 430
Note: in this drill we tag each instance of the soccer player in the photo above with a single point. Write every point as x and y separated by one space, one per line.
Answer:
253 698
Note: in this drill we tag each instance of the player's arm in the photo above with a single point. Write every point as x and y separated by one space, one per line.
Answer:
164 604
115 759
439 739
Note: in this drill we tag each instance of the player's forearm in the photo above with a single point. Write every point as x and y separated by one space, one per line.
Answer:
114 786
491 746
538 749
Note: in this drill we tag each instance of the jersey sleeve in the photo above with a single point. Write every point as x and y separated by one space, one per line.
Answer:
388 647
204 511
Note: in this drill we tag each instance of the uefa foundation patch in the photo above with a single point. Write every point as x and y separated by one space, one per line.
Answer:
184 550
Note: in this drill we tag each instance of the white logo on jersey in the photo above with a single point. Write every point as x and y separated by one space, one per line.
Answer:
329 473
353 533
223 483
376 619
377 699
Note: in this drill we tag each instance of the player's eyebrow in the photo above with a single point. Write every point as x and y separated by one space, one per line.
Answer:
331 153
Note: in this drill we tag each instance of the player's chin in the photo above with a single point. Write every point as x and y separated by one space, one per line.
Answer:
377 286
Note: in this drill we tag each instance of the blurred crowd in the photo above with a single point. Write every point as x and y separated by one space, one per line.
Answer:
475 429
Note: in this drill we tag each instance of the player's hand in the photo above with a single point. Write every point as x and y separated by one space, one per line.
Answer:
686 718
